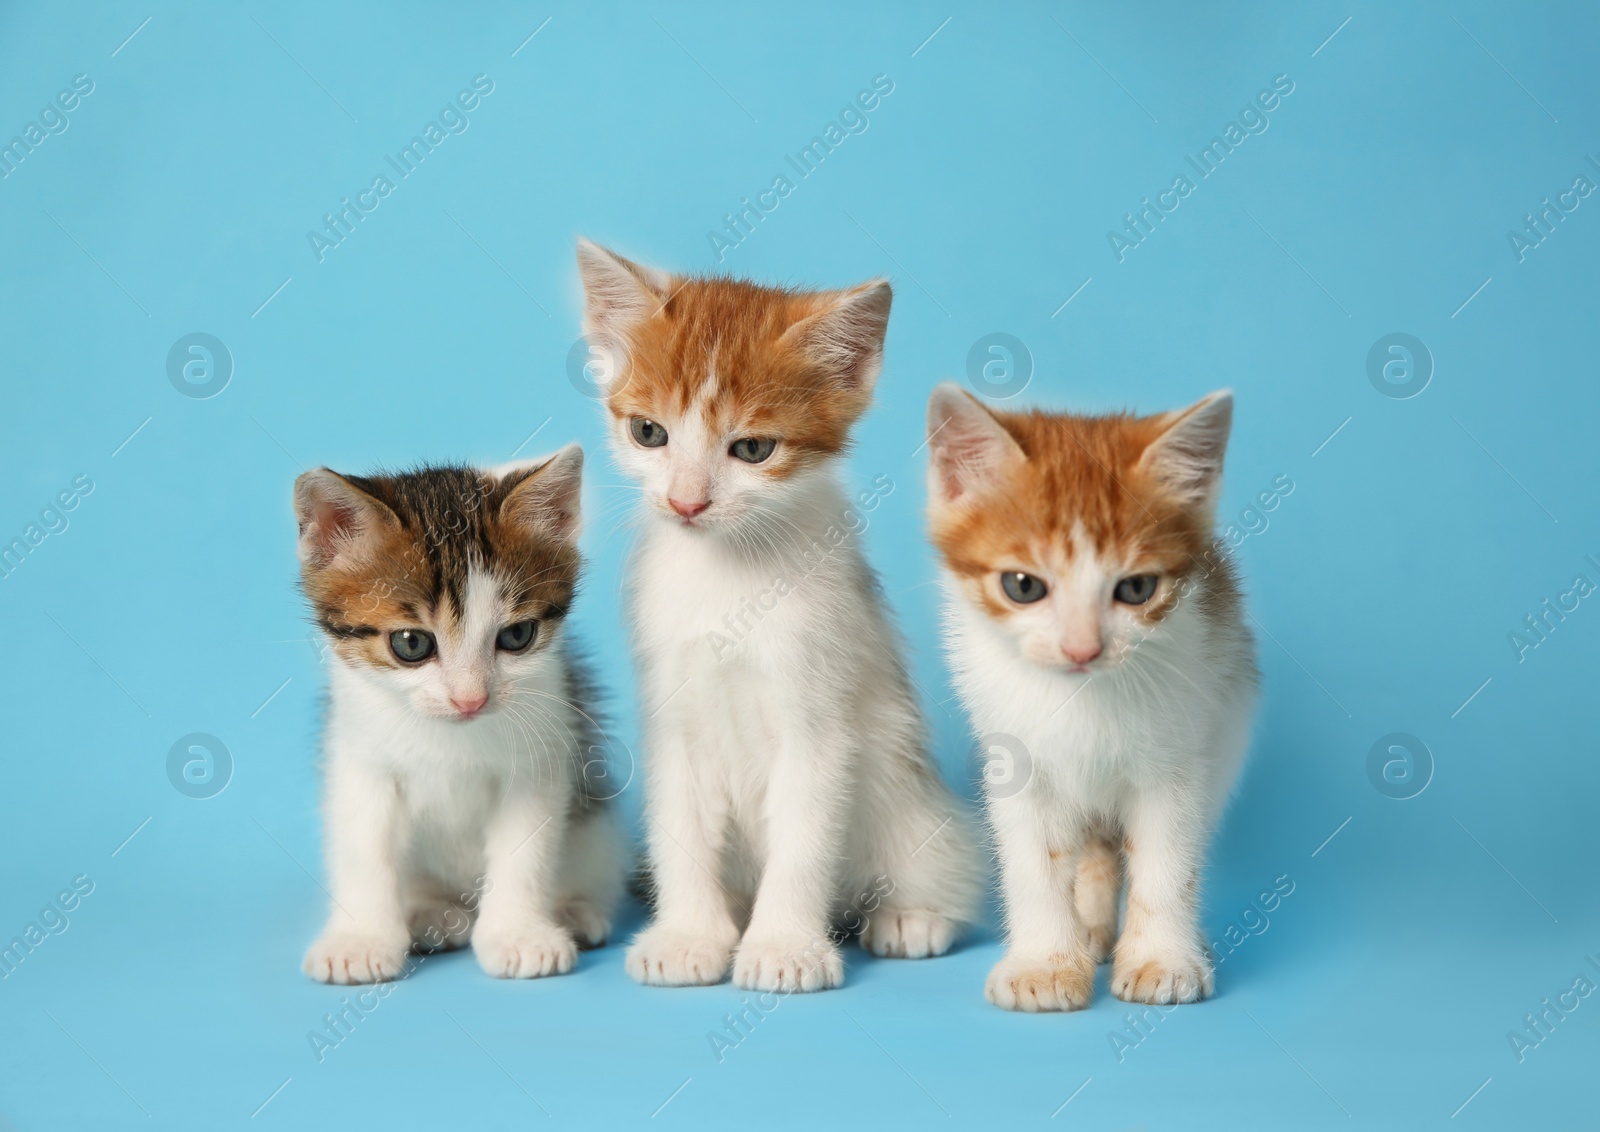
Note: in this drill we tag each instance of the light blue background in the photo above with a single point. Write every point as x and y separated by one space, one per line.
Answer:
1415 541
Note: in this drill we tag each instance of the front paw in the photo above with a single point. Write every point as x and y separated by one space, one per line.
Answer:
1161 979
907 935
346 957
1041 983
788 964
669 957
527 951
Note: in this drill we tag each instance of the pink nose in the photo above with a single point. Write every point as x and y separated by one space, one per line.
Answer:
469 706
1080 654
689 510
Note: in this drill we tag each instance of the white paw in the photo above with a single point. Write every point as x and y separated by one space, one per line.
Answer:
524 952
439 927
346 957
907 935
1041 983
788 964
1162 979
587 922
668 957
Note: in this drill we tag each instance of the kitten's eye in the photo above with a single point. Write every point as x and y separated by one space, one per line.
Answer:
753 449
647 432
1136 589
515 638
1024 589
411 645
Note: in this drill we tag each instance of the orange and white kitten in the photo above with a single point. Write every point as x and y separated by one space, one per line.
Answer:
786 771
1098 644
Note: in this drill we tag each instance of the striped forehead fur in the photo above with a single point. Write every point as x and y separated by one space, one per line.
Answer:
448 523
748 358
720 347
1083 481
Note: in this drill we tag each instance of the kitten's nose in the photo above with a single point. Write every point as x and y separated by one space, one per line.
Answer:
469 706
689 510
1081 654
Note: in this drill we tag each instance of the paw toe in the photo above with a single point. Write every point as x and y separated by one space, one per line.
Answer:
1050 983
1162 982
347 958
908 934
788 966
530 954
673 959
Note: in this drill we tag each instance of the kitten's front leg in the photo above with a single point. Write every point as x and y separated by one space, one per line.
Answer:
1047 965
366 938
1159 956
517 935
788 946
690 942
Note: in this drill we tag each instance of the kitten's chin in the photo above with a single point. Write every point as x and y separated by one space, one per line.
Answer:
1068 668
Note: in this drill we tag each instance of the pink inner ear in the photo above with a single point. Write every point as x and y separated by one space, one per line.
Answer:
846 336
967 458
949 460
548 503
331 525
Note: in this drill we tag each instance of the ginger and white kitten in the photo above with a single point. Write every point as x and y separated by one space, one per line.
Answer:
1100 649
787 776
459 727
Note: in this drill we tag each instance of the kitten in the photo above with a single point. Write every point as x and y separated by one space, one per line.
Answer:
459 726
1099 644
787 773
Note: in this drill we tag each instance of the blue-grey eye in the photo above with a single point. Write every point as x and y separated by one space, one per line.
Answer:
1024 589
411 645
1136 589
647 432
753 449
515 638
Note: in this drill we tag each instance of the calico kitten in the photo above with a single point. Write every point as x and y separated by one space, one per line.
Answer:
1100 645
786 772
459 726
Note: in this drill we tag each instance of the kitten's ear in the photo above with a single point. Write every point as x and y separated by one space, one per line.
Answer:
1187 457
619 294
970 452
845 336
337 519
548 497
